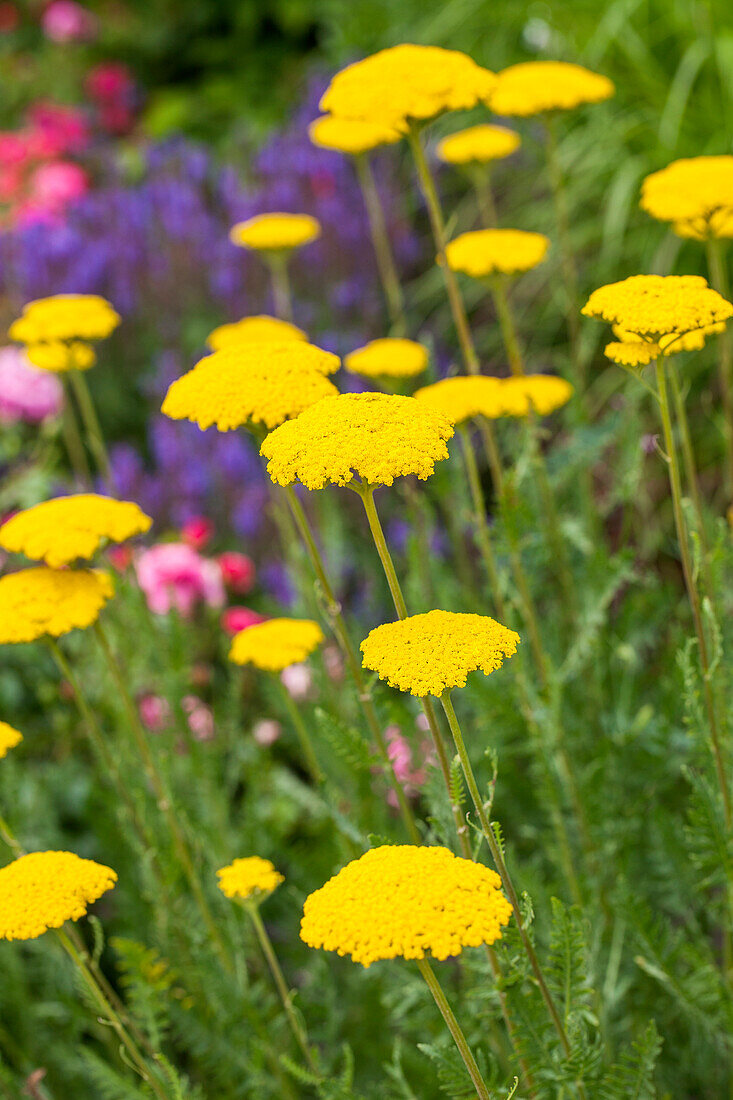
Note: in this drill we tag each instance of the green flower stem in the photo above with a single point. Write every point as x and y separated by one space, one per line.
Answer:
382 248
299 1032
148 1073
277 262
437 224
72 438
7 835
718 273
481 177
497 285
301 729
338 626
481 527
91 424
454 1027
675 482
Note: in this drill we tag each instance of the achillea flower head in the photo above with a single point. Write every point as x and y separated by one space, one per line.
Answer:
42 890
65 317
9 738
275 232
351 135
276 643
406 901
657 306
260 329
61 531
405 83
484 252
434 652
251 385
465 396
533 87
249 879
542 393
478 145
374 436
58 357
631 351
695 194
39 601
389 357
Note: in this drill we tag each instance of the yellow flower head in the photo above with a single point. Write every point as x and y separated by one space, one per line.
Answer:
374 436
9 738
389 357
60 531
478 145
434 652
65 317
485 252
405 901
542 393
465 396
59 357
275 232
659 305
250 879
630 351
276 644
254 330
351 135
407 82
39 601
533 87
695 194
42 890
252 384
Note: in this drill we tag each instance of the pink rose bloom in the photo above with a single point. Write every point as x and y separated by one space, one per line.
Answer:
235 619
297 680
237 570
200 718
26 392
67 21
174 575
197 532
154 712
266 732
56 130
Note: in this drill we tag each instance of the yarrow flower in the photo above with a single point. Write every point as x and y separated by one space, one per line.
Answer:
434 652
533 87
249 879
351 135
42 890
478 145
695 194
631 351
65 317
484 252
258 329
541 393
463 397
251 385
62 530
657 306
389 357
276 643
275 232
39 601
405 83
405 901
373 436
9 738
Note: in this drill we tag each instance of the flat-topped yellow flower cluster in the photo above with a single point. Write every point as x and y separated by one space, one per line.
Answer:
276 644
9 738
250 878
694 194
60 531
484 252
44 889
466 396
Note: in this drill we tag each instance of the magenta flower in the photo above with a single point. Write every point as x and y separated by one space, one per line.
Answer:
51 188
154 712
67 21
173 575
27 393
235 619
237 570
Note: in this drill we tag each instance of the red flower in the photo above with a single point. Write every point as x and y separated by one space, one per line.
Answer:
197 532
235 619
237 571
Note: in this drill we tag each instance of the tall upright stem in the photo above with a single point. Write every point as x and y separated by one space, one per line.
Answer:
382 248
718 273
277 262
507 326
72 438
481 176
306 744
91 425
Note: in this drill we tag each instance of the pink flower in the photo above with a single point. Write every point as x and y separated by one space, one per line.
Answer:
154 712
266 732
174 575
237 570
200 718
56 130
334 662
26 392
298 680
400 753
67 21
197 532
120 556
109 81
235 619
51 188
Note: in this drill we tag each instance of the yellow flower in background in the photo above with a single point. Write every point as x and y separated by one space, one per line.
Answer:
405 901
478 145
9 738
484 252
249 879
62 530
39 601
275 232
42 890
276 644
351 135
374 436
58 357
390 357
434 652
533 87
659 305
542 393
253 385
260 329
65 317
695 194
465 396
404 83
631 351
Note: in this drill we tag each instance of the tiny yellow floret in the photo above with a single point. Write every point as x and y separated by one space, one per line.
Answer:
373 436
42 890
533 87
478 145
9 738
39 601
275 232
259 329
389 357
276 644
658 306
61 531
404 901
695 194
434 652
249 879
465 396
484 252
351 135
